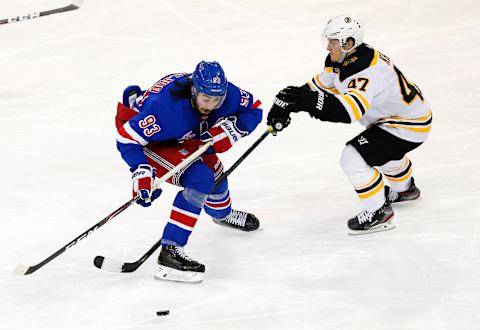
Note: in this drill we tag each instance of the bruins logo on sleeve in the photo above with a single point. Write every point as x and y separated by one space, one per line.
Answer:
364 57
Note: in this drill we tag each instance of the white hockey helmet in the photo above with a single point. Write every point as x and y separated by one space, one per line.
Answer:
343 27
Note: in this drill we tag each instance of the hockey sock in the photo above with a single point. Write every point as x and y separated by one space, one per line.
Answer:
182 220
366 180
398 173
219 204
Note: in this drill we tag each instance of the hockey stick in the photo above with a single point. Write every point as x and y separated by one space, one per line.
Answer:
25 270
74 5
112 265
246 153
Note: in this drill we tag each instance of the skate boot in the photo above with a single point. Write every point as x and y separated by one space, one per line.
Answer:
370 222
239 220
175 265
410 194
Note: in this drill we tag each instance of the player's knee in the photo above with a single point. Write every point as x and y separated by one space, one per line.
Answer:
194 197
351 161
199 177
395 166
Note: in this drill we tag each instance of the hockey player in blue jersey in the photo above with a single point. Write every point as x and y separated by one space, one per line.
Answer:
160 127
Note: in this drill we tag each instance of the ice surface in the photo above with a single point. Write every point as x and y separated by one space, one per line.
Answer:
61 77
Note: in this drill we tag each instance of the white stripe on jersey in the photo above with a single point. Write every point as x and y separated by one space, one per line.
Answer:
157 159
134 134
124 140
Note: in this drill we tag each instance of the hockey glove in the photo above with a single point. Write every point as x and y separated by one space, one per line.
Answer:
302 99
130 94
278 116
142 179
223 135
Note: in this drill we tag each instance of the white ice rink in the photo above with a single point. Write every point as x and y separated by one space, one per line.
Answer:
60 79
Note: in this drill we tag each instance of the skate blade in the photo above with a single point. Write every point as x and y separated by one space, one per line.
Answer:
381 227
170 274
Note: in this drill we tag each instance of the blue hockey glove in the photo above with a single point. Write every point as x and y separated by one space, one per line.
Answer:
130 94
142 180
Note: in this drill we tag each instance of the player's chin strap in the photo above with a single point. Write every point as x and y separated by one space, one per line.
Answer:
25 270
128 267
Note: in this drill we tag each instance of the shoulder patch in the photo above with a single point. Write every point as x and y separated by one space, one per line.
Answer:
364 57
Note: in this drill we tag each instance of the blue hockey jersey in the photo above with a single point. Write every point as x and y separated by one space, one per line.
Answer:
164 116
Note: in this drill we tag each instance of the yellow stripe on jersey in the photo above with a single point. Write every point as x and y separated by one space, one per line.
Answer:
419 125
375 59
361 97
353 105
318 84
413 129
424 118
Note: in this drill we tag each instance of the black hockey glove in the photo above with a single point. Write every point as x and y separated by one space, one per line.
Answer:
302 99
278 116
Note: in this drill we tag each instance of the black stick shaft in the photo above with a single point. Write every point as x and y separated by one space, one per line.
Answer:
109 217
75 5
245 155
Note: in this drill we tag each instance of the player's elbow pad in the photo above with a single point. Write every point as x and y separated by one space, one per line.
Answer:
332 111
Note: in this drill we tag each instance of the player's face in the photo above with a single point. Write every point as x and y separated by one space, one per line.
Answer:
335 50
206 103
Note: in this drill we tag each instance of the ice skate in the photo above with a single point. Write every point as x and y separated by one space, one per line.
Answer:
239 220
408 195
175 265
371 222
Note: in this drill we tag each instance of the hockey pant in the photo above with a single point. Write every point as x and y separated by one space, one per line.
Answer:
198 181
368 181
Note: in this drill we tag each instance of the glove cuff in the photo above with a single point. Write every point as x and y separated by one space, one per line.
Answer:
231 131
320 100
315 111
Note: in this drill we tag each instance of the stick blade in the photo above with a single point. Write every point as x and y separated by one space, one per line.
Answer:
20 269
77 3
107 264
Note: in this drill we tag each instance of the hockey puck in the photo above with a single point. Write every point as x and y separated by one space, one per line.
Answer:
163 313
